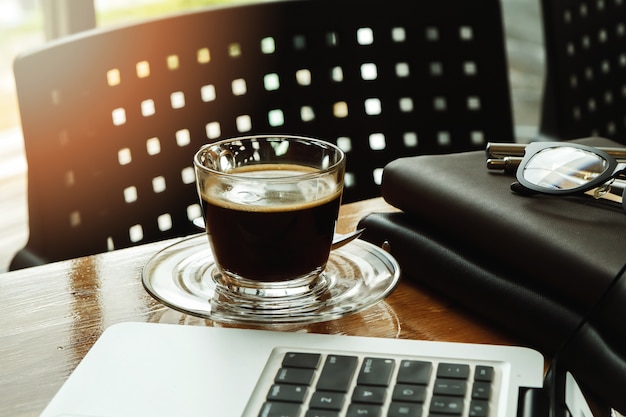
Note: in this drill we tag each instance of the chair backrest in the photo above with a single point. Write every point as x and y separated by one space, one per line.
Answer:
112 118
585 91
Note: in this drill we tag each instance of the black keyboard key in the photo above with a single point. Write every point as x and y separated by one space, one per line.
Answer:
397 409
369 395
297 376
453 370
337 373
364 410
414 372
478 408
376 371
483 373
445 386
288 393
301 360
409 393
321 413
446 405
327 400
481 390
272 409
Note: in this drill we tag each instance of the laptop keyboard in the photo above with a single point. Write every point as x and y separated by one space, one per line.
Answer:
297 383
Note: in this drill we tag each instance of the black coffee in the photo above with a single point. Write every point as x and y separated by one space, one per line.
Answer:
266 233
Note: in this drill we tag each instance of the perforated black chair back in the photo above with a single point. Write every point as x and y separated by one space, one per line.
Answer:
112 118
585 91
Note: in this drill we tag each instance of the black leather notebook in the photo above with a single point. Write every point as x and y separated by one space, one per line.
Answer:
535 264
545 268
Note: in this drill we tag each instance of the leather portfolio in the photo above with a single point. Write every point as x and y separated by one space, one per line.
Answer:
537 265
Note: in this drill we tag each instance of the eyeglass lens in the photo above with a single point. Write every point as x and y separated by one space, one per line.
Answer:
564 168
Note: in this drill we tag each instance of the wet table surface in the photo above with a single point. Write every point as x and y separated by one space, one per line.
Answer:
51 315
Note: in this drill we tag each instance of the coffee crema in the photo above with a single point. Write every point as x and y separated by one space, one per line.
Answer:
268 231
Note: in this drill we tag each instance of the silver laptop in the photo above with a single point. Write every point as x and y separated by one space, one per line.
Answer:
159 370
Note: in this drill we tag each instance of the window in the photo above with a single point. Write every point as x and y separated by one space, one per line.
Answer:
21 25
24 26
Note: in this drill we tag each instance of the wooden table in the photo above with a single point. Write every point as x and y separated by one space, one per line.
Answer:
51 315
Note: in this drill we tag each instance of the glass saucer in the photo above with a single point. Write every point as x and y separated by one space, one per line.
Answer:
184 277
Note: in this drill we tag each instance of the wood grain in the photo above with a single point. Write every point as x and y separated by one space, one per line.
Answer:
51 315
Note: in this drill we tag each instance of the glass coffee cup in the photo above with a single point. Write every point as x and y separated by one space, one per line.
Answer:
270 207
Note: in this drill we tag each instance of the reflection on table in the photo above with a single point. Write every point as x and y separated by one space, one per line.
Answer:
51 315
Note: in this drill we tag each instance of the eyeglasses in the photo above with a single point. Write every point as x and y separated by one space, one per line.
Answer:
507 156
559 168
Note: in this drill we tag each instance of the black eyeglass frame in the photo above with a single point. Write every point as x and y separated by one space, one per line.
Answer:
535 148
